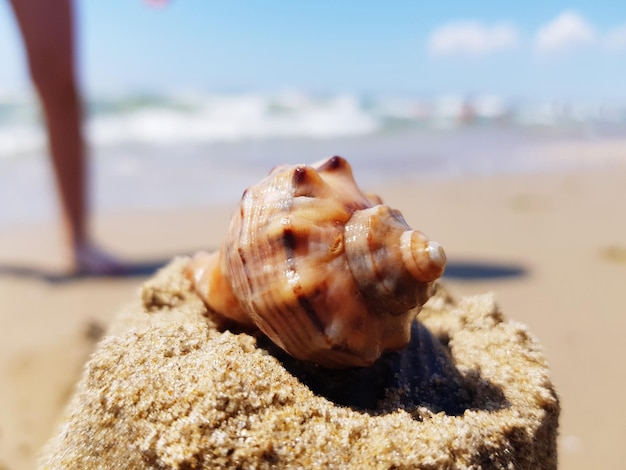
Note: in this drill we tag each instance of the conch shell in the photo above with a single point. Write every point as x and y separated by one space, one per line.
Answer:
328 273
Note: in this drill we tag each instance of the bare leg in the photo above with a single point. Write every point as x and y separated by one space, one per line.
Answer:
48 33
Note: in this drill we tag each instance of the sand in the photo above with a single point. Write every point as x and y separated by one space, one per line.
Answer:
180 394
549 246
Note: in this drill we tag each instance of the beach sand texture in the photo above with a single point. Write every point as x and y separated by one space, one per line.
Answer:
180 394
551 246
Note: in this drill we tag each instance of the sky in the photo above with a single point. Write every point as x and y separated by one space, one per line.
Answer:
525 49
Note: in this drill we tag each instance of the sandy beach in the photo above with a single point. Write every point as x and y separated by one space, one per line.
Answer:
551 246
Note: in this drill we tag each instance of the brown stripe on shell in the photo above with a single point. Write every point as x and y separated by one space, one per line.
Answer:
287 322
308 308
284 321
289 326
290 241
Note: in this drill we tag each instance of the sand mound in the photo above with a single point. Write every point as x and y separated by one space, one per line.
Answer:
165 389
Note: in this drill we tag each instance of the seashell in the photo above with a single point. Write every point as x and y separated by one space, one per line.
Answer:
327 272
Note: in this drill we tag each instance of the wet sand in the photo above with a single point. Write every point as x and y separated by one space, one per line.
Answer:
551 247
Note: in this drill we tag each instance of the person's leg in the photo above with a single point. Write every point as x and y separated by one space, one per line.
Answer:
47 30
48 33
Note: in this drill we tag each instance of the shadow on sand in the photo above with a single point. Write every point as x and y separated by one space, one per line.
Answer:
130 270
455 270
421 375
482 271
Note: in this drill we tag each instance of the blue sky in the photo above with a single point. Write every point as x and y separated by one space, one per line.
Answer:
530 49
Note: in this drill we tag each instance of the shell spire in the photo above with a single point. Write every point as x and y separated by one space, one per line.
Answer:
391 263
327 272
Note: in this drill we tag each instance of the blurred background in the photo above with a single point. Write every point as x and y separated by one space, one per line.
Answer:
497 128
198 97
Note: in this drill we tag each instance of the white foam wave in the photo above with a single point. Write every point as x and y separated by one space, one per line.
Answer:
200 118
228 118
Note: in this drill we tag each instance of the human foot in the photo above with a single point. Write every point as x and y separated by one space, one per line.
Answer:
91 260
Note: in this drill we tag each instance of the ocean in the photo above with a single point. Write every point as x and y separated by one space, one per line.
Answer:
156 151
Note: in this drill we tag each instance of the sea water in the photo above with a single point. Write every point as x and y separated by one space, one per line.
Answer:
156 151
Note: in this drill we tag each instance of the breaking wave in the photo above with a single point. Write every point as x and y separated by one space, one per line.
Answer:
199 118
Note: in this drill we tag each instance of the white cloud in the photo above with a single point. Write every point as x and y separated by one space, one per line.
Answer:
565 32
615 40
470 38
